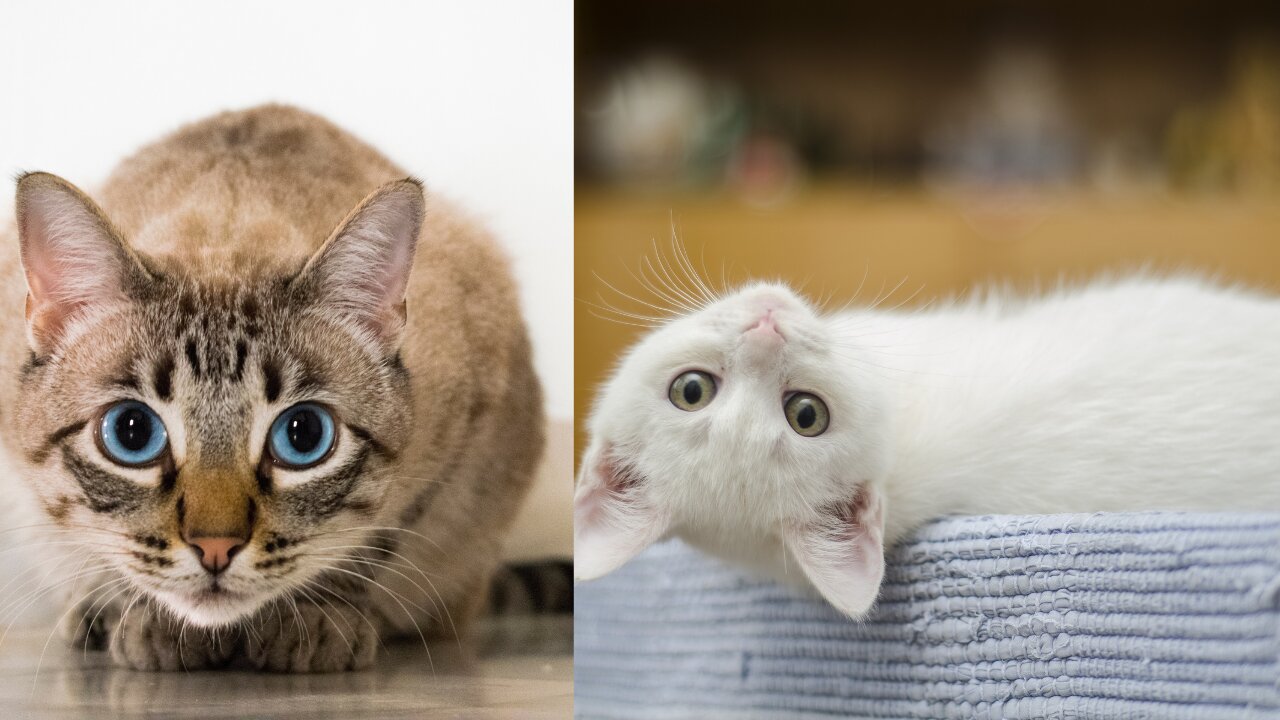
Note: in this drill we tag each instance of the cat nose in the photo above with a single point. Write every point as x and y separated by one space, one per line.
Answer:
215 553
766 328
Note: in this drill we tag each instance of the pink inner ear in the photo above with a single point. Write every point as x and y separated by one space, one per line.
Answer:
612 521
364 267
71 259
842 552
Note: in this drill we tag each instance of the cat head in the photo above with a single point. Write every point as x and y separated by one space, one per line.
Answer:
217 439
742 421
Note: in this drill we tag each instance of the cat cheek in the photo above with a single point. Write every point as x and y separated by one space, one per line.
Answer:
842 552
612 522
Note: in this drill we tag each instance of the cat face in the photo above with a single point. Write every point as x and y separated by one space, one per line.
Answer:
218 441
741 427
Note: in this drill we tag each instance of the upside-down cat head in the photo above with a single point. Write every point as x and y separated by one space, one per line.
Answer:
212 433
742 428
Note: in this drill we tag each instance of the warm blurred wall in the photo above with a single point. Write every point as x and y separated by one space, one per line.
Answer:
830 238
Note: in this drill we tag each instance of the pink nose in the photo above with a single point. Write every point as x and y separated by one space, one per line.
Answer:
216 552
766 326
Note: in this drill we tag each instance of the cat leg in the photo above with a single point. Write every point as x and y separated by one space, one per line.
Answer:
149 637
322 630
88 622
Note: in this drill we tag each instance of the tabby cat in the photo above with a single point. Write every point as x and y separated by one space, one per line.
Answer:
275 403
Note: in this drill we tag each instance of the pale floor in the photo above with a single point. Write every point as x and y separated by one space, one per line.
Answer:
522 668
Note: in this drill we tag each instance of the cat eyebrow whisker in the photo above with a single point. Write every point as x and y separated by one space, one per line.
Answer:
611 286
619 321
668 278
657 285
609 307
682 256
625 318
680 261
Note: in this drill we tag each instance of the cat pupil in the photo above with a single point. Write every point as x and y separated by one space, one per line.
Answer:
305 431
692 392
133 429
807 416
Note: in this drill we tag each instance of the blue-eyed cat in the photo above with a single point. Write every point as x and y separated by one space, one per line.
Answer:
275 402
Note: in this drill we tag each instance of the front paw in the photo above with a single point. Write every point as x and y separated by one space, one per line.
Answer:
300 636
148 637
87 624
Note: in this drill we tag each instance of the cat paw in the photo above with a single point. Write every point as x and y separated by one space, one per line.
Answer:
87 624
150 638
308 638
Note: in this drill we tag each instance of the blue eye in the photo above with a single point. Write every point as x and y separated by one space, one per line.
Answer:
302 436
132 434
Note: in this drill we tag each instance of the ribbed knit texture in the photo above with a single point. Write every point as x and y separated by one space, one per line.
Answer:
1143 615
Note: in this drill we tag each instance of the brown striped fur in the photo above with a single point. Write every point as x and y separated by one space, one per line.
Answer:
223 215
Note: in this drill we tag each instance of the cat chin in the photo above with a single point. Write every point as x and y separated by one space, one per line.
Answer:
210 610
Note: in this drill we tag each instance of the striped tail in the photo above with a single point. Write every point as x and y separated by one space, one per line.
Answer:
532 588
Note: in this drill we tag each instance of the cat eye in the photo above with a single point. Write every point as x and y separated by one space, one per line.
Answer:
131 434
692 391
807 414
301 436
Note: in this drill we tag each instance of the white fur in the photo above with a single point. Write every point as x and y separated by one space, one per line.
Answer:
1133 394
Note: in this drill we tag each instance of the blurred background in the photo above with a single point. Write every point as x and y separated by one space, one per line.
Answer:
905 151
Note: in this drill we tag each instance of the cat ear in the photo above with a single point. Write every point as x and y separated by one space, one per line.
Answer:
74 260
362 270
842 552
612 522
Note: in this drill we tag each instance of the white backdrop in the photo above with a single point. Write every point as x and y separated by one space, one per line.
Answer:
474 97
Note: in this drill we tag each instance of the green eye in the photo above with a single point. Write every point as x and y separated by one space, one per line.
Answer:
807 414
693 391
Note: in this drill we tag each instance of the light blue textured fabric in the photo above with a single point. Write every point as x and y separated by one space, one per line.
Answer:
1143 615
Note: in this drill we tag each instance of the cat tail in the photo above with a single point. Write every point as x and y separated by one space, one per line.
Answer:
543 587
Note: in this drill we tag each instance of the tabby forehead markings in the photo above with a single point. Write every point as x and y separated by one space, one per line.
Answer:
127 381
162 377
242 352
271 380
193 358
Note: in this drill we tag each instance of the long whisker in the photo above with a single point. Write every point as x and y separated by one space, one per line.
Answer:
394 596
314 601
389 568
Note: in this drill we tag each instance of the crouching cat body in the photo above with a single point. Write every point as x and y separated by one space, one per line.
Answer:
801 444
273 402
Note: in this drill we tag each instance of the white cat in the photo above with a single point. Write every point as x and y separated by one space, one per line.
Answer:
800 444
